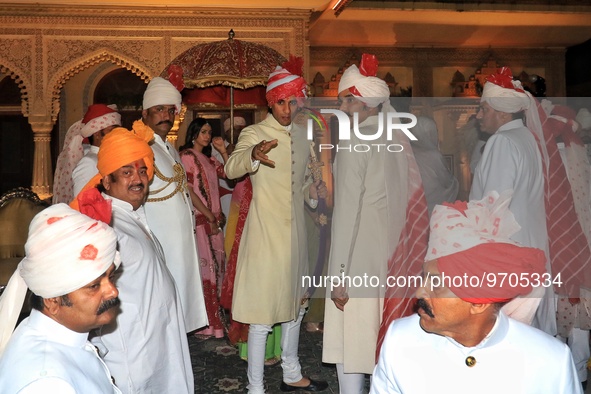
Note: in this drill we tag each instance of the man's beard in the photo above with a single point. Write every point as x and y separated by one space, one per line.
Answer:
422 304
105 306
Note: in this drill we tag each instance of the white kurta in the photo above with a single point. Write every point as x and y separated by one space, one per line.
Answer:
369 211
512 160
85 169
273 254
513 358
146 348
43 356
173 223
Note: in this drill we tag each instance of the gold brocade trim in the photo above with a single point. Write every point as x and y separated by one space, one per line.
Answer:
227 80
179 178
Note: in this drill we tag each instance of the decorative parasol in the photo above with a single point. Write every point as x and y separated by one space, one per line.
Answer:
232 63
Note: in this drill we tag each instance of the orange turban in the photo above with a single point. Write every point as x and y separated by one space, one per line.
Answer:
118 148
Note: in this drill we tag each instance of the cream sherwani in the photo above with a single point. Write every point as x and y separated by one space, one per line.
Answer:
513 358
273 252
170 217
146 348
369 211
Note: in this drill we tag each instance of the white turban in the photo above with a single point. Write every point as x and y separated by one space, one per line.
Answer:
65 251
506 100
584 118
161 92
238 121
504 94
373 91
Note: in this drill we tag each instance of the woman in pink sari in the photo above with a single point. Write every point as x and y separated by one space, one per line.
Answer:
202 176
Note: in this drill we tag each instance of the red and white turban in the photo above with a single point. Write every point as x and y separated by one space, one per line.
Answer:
65 251
282 84
363 83
472 240
97 117
161 92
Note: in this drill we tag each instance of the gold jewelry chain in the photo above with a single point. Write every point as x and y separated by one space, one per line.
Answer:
179 178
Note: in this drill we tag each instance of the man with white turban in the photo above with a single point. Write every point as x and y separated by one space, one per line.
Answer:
512 159
75 165
372 190
169 209
461 341
150 303
273 257
69 267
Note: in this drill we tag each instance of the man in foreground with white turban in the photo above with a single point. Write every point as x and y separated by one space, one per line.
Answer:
69 267
370 204
273 257
512 159
461 341
169 210
76 164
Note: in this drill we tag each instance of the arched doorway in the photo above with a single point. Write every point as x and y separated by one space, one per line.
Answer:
126 90
16 139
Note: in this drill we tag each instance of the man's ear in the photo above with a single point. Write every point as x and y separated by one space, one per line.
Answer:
106 181
477 309
52 305
144 113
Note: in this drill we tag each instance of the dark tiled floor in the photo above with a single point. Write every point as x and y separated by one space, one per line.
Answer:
218 369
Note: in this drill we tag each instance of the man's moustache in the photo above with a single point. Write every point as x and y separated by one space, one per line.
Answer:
422 304
141 185
105 306
163 122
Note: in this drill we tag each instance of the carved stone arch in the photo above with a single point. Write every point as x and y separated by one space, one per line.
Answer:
22 85
69 70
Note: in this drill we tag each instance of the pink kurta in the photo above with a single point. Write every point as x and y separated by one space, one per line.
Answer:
202 175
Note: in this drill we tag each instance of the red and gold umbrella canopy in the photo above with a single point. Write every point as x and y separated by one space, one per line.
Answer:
234 63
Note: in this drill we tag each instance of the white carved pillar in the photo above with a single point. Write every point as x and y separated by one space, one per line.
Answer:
42 172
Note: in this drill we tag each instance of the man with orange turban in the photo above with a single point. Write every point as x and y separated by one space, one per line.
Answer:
273 257
150 327
460 340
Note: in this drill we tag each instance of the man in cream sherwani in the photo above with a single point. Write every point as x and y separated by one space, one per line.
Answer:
273 254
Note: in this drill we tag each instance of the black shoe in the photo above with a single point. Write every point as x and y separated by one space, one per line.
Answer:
584 384
315 385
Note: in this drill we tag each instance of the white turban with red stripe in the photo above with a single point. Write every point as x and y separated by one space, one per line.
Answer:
65 251
363 83
472 240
